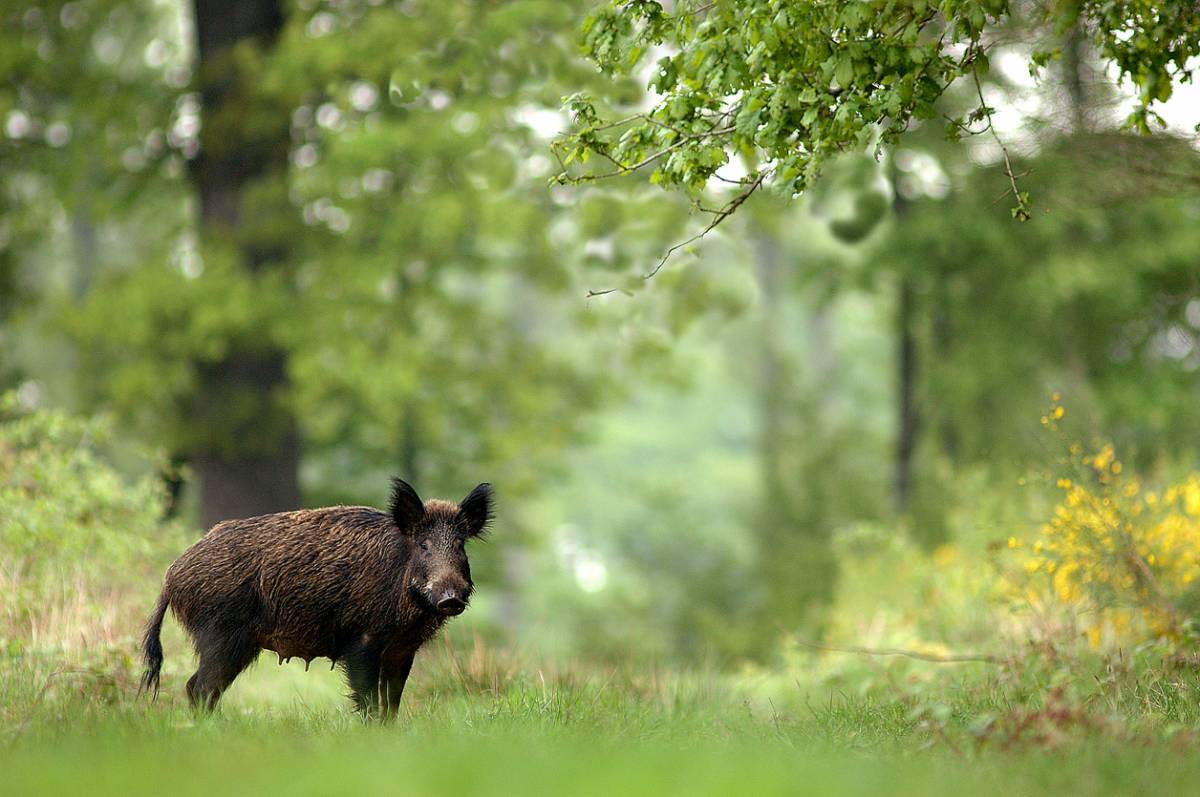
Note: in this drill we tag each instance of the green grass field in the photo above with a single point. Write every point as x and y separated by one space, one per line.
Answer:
475 723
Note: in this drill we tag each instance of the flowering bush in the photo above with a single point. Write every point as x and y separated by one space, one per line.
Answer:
1126 555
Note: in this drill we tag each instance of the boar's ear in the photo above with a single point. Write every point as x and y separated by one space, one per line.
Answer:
407 507
476 509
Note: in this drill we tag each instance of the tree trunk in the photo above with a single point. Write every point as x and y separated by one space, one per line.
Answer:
410 446
246 449
796 563
906 368
248 458
907 420
771 385
1075 77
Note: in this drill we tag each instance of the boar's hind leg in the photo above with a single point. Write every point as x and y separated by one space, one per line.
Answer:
221 661
393 676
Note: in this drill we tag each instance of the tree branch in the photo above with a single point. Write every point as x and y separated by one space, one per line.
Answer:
719 215
624 170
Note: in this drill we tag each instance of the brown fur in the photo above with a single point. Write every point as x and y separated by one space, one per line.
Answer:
359 586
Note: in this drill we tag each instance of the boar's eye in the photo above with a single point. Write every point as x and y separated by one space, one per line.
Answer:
424 545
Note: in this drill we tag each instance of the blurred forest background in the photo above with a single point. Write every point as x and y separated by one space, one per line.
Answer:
322 247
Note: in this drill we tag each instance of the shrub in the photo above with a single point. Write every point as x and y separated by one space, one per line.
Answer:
71 524
1126 558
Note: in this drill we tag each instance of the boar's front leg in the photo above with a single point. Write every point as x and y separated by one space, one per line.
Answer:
362 672
392 677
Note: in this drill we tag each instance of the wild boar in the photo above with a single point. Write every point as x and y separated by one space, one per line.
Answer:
361 587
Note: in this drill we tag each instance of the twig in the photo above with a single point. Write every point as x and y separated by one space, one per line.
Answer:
1021 210
618 123
590 294
719 217
910 654
1008 191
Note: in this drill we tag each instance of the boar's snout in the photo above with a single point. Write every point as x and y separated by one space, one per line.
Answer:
451 603
448 595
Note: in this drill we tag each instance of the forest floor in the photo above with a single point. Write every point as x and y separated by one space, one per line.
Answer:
476 724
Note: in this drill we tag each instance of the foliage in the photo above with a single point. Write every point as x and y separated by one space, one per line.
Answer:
95 128
417 227
1092 300
787 84
65 504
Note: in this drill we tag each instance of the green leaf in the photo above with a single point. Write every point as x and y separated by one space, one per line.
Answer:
843 74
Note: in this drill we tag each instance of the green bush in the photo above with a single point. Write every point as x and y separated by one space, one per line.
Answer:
72 524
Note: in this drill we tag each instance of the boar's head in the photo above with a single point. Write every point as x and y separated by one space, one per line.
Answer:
437 533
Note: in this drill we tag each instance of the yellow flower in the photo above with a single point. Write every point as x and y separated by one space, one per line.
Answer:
945 555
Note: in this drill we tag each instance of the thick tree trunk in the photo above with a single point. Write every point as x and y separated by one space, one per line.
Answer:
248 459
245 450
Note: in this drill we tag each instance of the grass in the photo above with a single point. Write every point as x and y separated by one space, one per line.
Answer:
263 757
480 723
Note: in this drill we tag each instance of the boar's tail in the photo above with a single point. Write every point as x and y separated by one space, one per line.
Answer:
152 652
